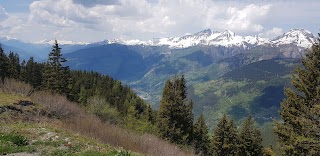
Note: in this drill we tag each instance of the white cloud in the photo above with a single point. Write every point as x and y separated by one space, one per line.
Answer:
274 32
62 13
248 18
142 19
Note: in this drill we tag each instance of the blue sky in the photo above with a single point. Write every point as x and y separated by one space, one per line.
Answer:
96 20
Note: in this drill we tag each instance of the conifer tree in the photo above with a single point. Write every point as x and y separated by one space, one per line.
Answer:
32 73
250 140
299 133
56 76
175 119
224 140
4 64
201 141
14 65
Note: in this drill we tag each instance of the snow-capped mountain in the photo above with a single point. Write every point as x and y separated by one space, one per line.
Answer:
62 42
208 37
299 37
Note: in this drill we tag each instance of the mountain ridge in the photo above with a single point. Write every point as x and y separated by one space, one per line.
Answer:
300 37
207 37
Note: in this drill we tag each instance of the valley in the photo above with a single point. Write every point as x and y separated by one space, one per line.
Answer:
226 73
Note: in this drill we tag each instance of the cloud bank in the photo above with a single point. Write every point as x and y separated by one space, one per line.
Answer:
94 20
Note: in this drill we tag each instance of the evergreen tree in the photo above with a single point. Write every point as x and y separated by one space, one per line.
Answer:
250 140
151 115
56 76
299 133
32 73
201 141
175 119
224 140
14 66
4 64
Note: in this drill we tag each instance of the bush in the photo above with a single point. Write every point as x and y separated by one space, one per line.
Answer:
57 105
16 139
17 87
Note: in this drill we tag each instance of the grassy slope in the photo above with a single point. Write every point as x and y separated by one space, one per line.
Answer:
43 137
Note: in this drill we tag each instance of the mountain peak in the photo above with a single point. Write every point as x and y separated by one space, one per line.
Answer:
204 32
300 37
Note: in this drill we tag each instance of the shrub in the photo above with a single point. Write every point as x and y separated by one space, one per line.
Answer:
17 87
16 139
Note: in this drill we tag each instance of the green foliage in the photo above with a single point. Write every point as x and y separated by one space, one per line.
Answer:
111 101
224 139
14 66
298 134
16 139
56 76
249 139
4 64
175 119
31 72
12 143
201 141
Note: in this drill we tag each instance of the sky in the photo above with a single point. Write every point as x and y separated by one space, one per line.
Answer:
97 20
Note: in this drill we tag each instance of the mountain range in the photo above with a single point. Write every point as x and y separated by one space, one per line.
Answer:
226 73
299 37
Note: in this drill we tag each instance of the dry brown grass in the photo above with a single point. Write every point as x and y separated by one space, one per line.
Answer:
17 87
78 121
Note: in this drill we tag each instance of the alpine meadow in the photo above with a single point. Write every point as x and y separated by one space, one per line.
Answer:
159 78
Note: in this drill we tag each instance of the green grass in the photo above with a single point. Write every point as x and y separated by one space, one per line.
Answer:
9 99
44 139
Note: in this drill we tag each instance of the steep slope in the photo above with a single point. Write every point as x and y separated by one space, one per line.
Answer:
115 60
48 124
254 89
25 131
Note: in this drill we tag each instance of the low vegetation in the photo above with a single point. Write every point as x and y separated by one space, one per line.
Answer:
64 118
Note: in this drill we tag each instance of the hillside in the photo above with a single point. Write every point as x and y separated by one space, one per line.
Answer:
48 124
254 89
24 128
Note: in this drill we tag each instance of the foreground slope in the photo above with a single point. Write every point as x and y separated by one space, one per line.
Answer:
48 124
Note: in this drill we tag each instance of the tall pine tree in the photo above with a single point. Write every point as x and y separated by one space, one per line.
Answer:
224 140
299 133
201 141
175 119
56 75
250 140
14 66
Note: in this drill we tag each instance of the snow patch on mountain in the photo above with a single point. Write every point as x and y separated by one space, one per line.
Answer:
207 38
227 38
203 38
300 37
62 42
